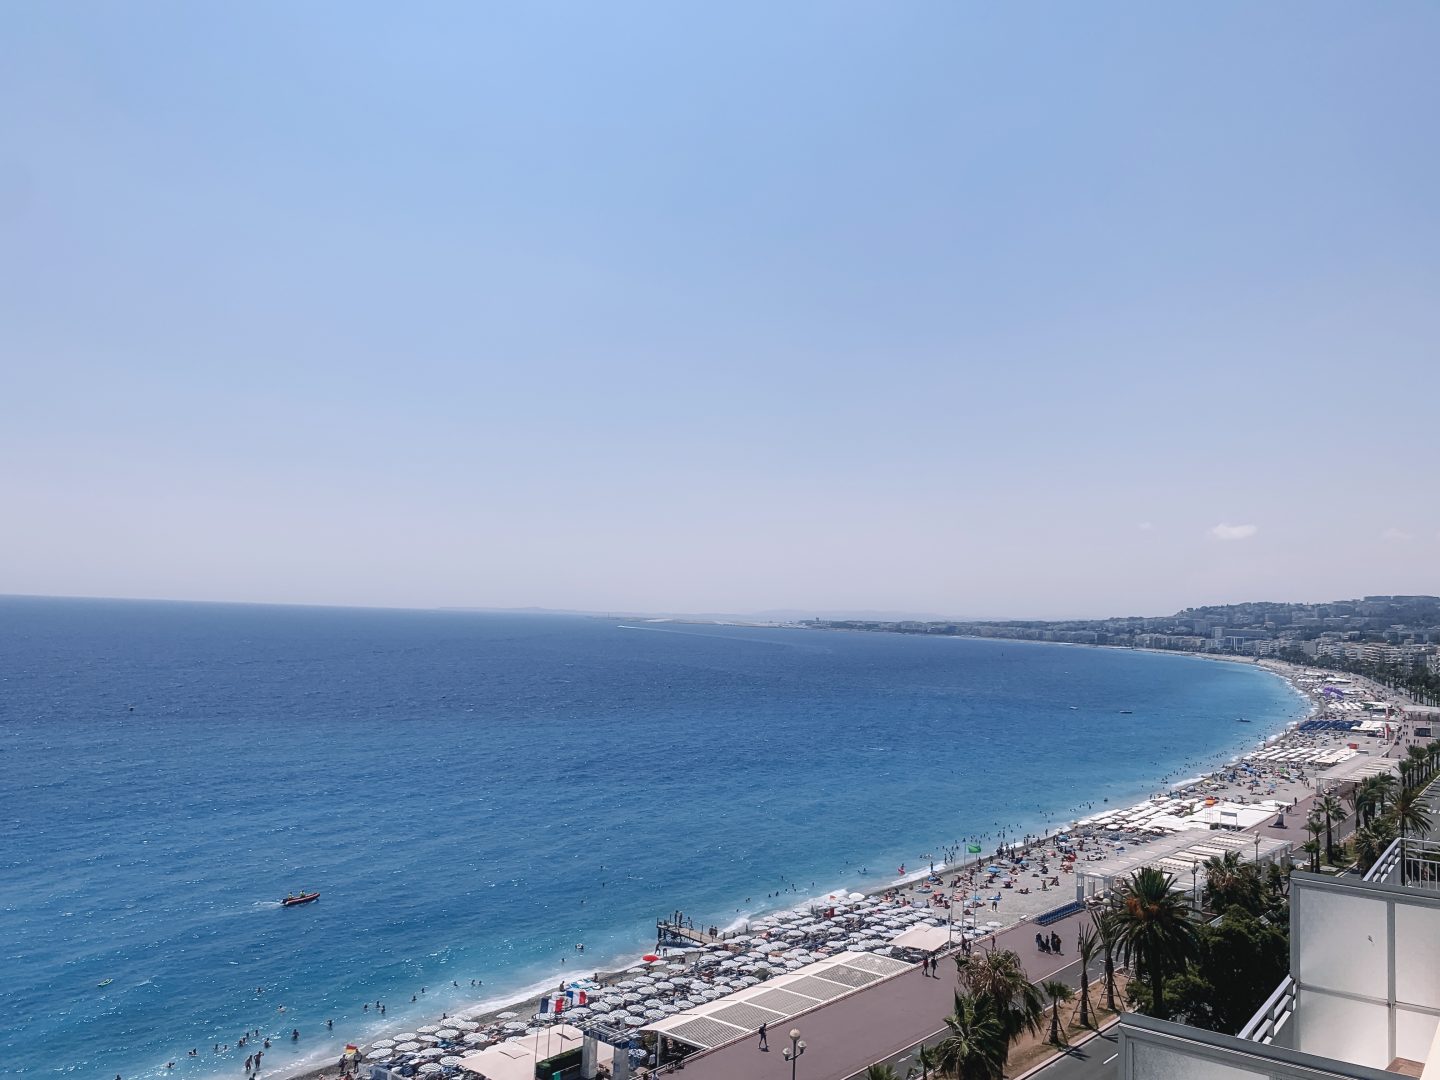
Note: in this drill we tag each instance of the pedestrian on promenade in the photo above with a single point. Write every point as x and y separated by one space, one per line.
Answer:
764 1045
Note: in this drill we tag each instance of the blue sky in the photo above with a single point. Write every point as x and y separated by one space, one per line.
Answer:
956 308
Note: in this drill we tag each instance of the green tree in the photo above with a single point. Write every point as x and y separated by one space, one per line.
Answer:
1237 964
1229 881
881 1072
1153 927
1088 947
998 977
1057 992
975 1046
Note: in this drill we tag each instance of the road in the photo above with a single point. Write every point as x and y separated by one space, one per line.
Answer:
1095 1060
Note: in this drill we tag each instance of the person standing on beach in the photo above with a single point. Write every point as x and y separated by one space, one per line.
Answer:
764 1045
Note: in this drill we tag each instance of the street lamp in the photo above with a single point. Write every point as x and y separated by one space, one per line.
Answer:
794 1050
1195 885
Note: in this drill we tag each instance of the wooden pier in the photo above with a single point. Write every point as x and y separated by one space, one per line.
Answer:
668 935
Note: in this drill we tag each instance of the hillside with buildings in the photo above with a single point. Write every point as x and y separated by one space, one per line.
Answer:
1394 638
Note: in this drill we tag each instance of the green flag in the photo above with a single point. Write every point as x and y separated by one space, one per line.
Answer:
973 849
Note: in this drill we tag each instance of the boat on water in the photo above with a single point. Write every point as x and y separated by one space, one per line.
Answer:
104 984
303 898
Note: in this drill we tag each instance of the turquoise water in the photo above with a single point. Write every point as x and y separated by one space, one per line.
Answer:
475 794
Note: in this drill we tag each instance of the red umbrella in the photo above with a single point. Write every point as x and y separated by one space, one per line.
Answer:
650 958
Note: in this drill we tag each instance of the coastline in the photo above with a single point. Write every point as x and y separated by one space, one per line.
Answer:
526 1001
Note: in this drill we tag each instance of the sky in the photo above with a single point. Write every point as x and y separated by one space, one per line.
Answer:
970 309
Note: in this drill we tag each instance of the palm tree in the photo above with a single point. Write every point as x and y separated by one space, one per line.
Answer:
975 1046
927 1059
881 1072
1105 931
1368 847
1332 810
998 977
1383 790
1229 881
1417 758
1314 825
1057 992
1087 946
1153 926
1411 817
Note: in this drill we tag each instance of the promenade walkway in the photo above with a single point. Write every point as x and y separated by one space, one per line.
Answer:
845 1036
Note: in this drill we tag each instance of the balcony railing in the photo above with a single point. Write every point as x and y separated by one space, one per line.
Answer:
1419 859
1271 1017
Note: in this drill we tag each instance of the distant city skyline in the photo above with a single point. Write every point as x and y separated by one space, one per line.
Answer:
942 310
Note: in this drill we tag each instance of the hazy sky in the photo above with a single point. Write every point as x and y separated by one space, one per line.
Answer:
976 309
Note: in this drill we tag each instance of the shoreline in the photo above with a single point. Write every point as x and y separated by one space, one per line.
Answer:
525 1001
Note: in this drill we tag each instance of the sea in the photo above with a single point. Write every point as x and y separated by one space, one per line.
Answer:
475 795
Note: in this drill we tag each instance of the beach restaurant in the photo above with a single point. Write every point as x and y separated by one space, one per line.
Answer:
773 1002
1182 856
555 1050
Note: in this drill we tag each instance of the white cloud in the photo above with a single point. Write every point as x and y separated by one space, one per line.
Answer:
1146 526
1398 535
1234 532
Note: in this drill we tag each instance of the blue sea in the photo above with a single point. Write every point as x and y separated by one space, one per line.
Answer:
475 794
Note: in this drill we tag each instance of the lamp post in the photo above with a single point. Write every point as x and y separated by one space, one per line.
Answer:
794 1050
1195 885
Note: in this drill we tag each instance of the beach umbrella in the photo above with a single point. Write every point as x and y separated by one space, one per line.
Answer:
431 1053
577 1013
407 1048
684 1003
379 1053
635 1010
432 1067
475 1038
654 1014
406 1036
634 1021
653 1003
452 1060
665 985
465 1025
382 1044
429 1039
650 958
628 984
633 998
676 967
507 1015
514 1025
428 1029
448 1033
601 1007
